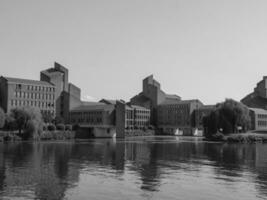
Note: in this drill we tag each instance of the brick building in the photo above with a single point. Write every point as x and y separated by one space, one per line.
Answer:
15 92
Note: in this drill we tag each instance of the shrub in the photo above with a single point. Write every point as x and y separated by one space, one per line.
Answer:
51 127
61 127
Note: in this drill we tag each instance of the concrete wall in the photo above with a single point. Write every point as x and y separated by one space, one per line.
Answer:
120 119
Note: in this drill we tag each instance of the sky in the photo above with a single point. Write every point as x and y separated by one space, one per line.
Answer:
208 50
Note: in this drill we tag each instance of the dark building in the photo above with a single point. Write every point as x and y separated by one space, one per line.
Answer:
152 96
15 92
109 118
177 118
258 98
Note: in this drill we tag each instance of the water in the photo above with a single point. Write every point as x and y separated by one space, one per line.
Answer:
144 168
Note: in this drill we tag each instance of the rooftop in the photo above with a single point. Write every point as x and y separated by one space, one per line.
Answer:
27 81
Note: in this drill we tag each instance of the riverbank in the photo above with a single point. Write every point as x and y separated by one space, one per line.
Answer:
14 136
250 137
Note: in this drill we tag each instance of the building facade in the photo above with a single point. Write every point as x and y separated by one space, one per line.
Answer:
109 118
258 119
131 119
177 118
16 92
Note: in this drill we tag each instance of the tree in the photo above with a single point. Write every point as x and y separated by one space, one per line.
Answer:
2 118
28 119
227 117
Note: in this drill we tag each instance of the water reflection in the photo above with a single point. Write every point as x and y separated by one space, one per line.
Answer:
157 167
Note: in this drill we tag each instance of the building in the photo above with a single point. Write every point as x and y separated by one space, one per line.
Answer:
67 95
177 118
109 118
131 119
15 92
258 118
94 119
258 98
152 96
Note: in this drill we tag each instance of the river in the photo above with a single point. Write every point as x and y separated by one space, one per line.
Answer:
140 168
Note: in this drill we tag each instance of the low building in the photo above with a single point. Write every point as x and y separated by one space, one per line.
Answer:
258 119
16 92
131 119
109 118
177 118
94 119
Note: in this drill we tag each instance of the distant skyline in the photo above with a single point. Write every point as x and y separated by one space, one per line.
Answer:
208 50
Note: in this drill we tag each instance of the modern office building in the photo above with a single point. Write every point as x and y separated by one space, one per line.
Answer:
15 92
258 98
109 118
94 119
131 118
258 118
177 118
152 96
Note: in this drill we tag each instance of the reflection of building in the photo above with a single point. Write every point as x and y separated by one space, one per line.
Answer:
258 98
177 118
15 92
258 118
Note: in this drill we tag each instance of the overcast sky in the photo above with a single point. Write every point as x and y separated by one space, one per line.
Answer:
208 49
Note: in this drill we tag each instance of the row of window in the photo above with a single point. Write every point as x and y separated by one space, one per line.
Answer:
97 120
15 102
28 95
35 87
261 116
262 123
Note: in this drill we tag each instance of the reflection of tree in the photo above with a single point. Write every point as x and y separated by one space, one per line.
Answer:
2 168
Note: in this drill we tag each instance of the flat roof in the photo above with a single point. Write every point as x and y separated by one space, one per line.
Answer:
27 81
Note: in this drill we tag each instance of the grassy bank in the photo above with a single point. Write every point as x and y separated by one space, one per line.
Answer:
45 135
250 137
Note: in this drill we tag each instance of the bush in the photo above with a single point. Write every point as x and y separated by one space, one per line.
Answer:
61 127
51 127
68 127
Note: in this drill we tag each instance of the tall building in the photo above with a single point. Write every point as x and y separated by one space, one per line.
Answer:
258 98
152 96
67 95
16 92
